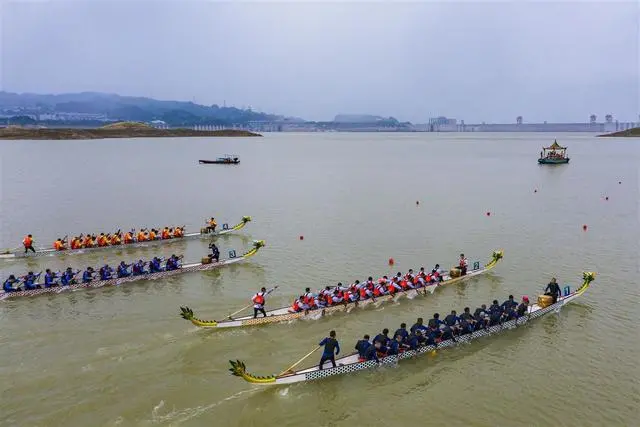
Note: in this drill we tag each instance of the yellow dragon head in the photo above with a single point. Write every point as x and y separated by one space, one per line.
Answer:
238 369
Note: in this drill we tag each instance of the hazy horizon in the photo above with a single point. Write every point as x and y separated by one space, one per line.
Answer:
556 62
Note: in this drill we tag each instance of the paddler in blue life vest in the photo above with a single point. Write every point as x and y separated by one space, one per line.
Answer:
396 347
362 346
138 268
155 266
123 270
49 279
68 277
331 349
371 353
404 334
106 272
30 281
259 300
87 276
8 285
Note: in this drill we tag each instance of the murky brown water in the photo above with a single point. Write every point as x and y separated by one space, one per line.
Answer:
124 356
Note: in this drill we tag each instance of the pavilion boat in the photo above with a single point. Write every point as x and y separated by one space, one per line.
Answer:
204 265
284 314
350 364
204 232
553 155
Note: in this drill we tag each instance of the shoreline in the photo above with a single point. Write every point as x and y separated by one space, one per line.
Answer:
103 133
629 133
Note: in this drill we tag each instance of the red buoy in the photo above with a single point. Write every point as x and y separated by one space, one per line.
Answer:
391 261
488 213
301 237
584 227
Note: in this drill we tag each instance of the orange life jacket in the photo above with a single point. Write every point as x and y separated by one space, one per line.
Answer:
88 242
258 299
128 238
152 235
115 239
141 236
27 241
376 291
75 243
102 241
296 306
363 293
178 232
390 288
404 284
58 245
165 234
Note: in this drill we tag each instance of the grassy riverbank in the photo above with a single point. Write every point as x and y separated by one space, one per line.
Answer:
632 133
118 130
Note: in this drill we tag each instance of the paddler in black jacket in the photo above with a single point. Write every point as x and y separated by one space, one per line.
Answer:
553 289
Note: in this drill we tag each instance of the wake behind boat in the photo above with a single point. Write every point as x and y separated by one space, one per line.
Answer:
356 362
207 263
135 240
285 314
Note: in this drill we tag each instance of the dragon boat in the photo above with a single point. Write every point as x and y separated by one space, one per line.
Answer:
284 315
186 268
349 364
204 232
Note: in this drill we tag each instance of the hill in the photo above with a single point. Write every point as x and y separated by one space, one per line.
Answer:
633 132
102 107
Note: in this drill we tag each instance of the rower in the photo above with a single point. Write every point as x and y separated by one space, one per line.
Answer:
155 266
102 241
553 289
259 301
141 237
76 243
297 305
49 279
68 277
59 245
415 339
115 239
452 320
123 270
383 339
436 274
467 322
27 242
418 326
331 345
495 313
152 234
395 347
523 308
434 326
212 224
362 346
30 281
128 237
138 268
308 299
88 241
178 232
87 276
106 272
165 233
215 253
173 263
8 284
509 304
463 264
371 353
393 286
402 332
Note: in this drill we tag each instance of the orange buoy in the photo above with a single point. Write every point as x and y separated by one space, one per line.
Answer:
488 213
391 261
301 237
584 227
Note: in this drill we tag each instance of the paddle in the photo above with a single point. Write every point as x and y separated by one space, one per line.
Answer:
247 306
299 361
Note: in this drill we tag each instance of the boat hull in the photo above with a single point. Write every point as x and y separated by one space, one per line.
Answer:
187 268
147 243
283 314
350 363
218 162
553 161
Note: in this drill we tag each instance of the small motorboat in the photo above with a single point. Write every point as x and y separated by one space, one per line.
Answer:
226 160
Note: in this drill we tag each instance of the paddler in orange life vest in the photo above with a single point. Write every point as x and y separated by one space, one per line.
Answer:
128 237
165 233
178 232
463 264
76 242
152 234
259 301
59 245
141 237
102 241
27 242
115 239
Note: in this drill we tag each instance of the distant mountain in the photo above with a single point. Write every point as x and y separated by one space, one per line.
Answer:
115 107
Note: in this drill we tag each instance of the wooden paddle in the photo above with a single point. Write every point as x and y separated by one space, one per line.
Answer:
242 309
299 361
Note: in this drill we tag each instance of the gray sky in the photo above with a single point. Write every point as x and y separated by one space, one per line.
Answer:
473 61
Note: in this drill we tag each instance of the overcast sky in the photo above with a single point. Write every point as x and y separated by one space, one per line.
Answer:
474 61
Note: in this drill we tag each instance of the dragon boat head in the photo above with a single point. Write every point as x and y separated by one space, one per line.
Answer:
497 255
246 219
238 369
588 276
257 244
187 314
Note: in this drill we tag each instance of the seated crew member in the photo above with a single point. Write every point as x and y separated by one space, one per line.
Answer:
106 272
259 300
495 307
173 263
59 245
384 341
8 285
152 234
141 236
215 253
155 266
49 279
402 332
102 240
509 313
396 347
87 276
76 242
297 305
165 233
495 314
434 326
123 270
27 242
463 264
178 232
415 339
68 277
419 325
30 281
523 308
371 353
115 239
331 349
509 304
128 237
393 286
88 241
212 224
553 289
362 346
452 320
467 322
138 268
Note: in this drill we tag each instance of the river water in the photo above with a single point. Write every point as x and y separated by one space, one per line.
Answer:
124 356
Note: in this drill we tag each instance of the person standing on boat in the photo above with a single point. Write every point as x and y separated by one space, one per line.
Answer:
331 349
463 264
553 289
27 242
212 224
259 301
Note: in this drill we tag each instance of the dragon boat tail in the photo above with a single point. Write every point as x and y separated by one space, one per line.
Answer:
204 232
284 315
186 268
350 364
